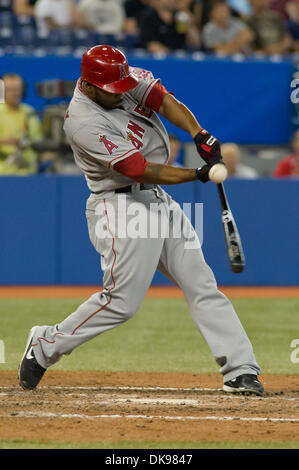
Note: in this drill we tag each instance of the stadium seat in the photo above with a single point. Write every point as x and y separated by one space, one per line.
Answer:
83 39
60 37
24 20
5 5
24 35
112 39
6 36
6 20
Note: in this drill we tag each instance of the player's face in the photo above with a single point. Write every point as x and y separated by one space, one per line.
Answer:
106 100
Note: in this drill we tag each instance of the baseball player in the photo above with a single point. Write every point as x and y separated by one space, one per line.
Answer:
122 147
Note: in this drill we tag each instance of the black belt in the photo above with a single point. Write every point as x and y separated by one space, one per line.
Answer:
128 189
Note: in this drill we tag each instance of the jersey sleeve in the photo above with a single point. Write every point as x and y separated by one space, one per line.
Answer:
149 92
104 146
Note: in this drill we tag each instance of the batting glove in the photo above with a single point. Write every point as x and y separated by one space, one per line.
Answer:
208 147
203 173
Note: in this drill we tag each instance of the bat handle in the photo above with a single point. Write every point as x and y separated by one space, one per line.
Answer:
222 196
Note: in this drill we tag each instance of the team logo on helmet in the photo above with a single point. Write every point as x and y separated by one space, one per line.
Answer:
122 72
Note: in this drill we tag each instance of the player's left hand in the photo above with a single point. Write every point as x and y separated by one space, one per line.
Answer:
208 147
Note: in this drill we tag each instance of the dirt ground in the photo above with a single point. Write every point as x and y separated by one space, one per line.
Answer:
86 406
38 292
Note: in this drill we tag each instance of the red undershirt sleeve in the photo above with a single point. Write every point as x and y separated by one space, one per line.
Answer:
133 167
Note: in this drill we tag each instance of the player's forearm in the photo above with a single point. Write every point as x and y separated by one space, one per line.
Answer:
179 115
156 173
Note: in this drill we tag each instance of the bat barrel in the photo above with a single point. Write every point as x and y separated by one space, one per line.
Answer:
231 235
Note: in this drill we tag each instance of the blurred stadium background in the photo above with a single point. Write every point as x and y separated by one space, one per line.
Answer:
243 89
242 97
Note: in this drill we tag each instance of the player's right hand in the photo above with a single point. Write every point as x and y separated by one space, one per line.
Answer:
208 147
203 173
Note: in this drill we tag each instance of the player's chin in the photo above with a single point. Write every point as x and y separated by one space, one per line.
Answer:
117 105
111 105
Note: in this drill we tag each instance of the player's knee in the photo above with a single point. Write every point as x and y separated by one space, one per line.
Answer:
128 315
128 307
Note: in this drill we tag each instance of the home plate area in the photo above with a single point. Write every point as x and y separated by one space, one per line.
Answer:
102 407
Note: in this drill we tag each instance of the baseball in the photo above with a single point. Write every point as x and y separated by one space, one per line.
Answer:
218 173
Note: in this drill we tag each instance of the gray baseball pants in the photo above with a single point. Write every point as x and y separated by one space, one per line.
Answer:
129 263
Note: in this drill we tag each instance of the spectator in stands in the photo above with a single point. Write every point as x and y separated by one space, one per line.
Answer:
293 24
231 155
134 10
175 150
226 34
49 163
193 8
24 7
163 28
103 16
288 167
280 6
269 28
206 7
54 14
241 7
19 128
5 5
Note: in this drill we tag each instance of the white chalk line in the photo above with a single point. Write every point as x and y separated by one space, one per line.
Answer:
143 389
132 399
224 395
41 414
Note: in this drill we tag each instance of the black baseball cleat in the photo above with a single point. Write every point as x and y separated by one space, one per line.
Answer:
246 383
30 372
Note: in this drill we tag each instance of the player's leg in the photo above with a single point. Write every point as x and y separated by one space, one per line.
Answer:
212 312
128 266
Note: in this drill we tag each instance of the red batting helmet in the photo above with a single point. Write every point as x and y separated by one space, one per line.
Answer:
107 68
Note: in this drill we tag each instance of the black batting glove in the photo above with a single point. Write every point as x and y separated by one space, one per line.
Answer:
208 147
203 173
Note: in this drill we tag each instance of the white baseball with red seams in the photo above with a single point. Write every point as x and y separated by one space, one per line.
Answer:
218 173
100 140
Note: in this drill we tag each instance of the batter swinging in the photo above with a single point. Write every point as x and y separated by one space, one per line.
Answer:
122 147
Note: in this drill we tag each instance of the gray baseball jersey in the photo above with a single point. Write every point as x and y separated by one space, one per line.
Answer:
99 139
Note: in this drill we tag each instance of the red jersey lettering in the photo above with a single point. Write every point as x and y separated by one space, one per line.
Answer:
136 142
136 129
143 111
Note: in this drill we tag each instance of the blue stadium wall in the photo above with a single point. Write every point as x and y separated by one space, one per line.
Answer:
43 232
44 238
245 102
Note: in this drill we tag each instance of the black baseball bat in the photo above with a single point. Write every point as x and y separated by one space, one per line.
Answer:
231 234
